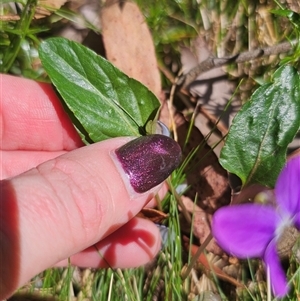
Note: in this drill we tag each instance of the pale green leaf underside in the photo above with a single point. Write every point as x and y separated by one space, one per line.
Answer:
255 148
105 101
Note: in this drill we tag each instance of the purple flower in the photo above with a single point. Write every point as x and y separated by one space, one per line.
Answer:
253 230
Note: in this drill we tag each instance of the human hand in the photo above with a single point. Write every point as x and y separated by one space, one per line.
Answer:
60 200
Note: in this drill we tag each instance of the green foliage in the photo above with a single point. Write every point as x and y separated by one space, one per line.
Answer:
8 1
19 36
19 42
255 149
104 100
12 35
172 24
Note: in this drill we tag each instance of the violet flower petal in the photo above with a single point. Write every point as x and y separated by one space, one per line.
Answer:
277 275
287 188
245 230
296 220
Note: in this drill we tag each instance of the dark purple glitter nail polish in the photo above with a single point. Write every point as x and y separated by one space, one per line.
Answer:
149 160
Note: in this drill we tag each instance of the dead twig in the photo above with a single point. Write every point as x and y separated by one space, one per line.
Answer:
212 62
10 18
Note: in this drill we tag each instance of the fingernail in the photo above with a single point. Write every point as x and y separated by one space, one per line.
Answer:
149 160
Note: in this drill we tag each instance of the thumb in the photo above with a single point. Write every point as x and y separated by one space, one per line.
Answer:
71 202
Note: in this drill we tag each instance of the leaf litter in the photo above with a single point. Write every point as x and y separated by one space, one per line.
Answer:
128 43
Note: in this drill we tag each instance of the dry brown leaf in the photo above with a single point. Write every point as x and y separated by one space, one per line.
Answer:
205 175
212 88
128 43
212 268
153 215
293 5
201 225
207 180
47 7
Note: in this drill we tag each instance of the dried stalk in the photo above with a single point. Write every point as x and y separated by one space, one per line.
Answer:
212 62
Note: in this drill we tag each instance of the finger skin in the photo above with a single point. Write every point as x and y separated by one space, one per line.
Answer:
33 125
132 245
32 117
14 163
34 128
60 208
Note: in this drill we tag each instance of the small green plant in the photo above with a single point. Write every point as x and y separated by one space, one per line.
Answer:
257 142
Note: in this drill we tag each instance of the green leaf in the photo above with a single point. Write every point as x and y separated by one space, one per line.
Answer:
18 1
105 101
255 148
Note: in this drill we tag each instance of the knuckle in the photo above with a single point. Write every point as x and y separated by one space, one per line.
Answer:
79 194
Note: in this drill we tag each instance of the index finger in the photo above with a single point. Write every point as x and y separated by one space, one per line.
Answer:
32 117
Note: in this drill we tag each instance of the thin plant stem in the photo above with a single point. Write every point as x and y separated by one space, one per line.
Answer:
213 62
196 256
21 30
268 284
110 286
179 201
